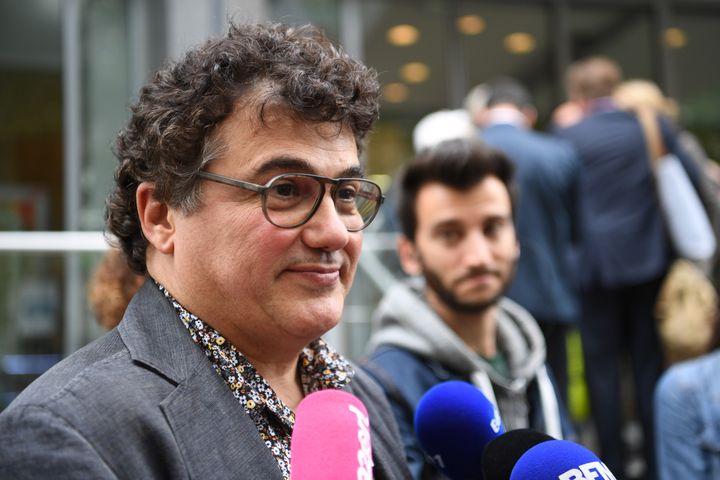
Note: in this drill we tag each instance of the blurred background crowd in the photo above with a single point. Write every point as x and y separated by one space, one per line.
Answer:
70 68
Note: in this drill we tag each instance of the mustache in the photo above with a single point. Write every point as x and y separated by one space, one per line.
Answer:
478 271
320 258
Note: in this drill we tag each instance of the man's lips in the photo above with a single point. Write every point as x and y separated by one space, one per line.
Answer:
314 268
318 274
478 277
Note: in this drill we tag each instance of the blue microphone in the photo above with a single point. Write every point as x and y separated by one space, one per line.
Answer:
453 423
560 460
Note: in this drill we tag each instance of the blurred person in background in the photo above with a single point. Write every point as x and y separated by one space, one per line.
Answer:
111 287
475 103
640 93
566 115
624 254
432 129
441 125
687 417
450 321
240 193
635 93
546 175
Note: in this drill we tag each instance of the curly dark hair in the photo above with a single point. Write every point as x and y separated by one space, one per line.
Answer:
459 164
169 136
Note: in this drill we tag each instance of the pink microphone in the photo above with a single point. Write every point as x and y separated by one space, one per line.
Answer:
331 438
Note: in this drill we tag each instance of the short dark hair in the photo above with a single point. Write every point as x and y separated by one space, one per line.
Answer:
459 164
508 90
170 135
592 78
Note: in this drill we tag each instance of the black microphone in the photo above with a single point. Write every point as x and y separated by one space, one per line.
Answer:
502 453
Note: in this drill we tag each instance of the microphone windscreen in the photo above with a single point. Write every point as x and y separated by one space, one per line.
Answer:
331 438
453 423
503 452
560 460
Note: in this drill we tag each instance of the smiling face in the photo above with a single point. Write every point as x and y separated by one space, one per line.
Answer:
465 245
257 283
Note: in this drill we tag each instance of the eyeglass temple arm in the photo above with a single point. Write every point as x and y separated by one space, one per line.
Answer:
373 196
232 182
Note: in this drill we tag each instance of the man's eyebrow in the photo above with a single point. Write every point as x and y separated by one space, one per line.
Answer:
286 164
449 223
292 164
356 171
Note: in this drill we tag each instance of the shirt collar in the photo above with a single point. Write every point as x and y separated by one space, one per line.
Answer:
320 366
602 105
506 116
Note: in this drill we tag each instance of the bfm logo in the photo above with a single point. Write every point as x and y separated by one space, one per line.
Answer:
588 471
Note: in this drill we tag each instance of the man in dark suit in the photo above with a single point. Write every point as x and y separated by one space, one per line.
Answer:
239 192
624 253
547 172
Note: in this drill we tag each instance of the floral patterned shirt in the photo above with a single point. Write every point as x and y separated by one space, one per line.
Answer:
320 366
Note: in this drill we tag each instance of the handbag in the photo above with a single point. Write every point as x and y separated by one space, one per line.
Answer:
687 222
685 312
687 301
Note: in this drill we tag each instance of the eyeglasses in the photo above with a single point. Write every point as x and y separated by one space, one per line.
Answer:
291 199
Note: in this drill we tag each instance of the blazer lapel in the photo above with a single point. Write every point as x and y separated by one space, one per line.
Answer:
216 437
213 432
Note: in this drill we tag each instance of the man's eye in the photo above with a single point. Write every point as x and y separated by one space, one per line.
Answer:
347 193
493 228
287 189
449 235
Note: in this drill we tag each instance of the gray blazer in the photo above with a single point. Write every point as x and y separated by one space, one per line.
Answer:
143 402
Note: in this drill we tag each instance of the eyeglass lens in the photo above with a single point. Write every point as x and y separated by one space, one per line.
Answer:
291 199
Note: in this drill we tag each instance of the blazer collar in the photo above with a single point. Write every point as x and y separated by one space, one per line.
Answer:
156 337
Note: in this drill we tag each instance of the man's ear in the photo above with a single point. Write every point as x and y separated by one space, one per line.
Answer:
409 256
156 219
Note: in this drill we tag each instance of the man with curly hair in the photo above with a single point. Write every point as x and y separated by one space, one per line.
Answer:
240 195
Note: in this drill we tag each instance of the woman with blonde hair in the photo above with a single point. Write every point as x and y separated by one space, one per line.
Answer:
644 93
638 93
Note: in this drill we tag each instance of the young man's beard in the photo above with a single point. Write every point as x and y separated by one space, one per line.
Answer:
446 295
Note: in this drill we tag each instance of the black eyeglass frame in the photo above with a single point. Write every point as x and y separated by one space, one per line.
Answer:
263 189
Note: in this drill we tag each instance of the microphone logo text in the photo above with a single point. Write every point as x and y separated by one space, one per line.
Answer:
364 454
588 471
496 422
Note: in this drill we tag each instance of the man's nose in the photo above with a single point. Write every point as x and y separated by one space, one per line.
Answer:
326 229
477 249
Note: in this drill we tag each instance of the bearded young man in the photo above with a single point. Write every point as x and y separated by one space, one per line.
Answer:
450 321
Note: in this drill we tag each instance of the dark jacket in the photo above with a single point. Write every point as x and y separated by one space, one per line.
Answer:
547 172
622 231
144 402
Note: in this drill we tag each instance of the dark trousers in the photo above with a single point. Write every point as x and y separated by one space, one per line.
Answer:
616 321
